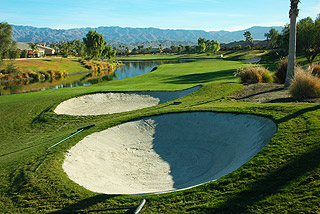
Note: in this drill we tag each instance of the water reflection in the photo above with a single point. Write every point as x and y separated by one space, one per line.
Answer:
129 69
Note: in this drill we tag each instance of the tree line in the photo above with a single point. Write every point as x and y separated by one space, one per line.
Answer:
308 38
93 46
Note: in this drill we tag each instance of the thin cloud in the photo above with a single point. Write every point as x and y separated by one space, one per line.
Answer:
220 15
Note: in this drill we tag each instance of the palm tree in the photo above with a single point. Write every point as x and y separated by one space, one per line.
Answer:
34 48
293 14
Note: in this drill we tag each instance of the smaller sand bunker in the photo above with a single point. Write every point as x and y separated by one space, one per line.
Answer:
166 153
252 60
116 102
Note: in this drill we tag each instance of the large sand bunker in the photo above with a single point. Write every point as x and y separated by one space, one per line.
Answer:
116 102
166 153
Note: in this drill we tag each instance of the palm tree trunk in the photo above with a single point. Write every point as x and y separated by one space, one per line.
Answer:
292 42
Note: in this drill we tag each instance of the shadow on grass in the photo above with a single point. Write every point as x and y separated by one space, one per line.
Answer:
269 185
202 77
83 204
296 114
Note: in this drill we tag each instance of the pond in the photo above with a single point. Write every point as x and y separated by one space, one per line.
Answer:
128 69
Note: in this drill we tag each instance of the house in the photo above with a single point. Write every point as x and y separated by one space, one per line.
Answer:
40 52
45 51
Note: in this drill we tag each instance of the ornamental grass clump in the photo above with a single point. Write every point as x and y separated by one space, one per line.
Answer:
316 70
281 72
305 85
256 74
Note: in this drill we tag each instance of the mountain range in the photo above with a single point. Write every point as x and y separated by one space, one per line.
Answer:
126 35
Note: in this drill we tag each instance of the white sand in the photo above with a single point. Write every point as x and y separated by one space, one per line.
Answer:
166 153
252 60
109 103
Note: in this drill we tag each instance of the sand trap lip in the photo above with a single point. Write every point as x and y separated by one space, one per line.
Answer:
166 153
116 102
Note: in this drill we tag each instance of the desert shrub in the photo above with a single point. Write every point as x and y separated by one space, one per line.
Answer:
34 75
50 73
255 75
316 70
92 66
281 71
25 75
305 85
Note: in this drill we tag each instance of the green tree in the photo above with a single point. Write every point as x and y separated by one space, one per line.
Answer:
95 44
127 51
308 38
201 45
160 49
187 47
214 46
108 52
273 35
34 47
24 54
7 46
248 37
282 41
67 48
13 51
293 14
174 49
78 47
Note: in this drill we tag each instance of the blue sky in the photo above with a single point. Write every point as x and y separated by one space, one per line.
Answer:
206 15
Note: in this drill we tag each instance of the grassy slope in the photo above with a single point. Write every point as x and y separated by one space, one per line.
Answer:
59 64
283 177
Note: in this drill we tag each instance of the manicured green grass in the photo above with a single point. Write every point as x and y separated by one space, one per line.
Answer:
282 178
69 65
230 55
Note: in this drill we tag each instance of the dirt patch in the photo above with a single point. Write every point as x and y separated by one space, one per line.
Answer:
267 93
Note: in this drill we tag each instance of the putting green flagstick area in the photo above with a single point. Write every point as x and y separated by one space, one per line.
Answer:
283 178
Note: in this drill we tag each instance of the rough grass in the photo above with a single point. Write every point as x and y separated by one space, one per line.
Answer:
281 71
254 74
316 70
282 178
305 85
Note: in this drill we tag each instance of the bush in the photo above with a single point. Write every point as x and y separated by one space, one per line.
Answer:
11 69
256 74
266 75
247 47
237 47
305 85
34 75
281 72
316 71
24 54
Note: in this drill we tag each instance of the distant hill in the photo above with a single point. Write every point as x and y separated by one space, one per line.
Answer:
126 35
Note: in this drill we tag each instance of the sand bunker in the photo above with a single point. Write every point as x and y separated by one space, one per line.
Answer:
166 153
252 60
109 103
